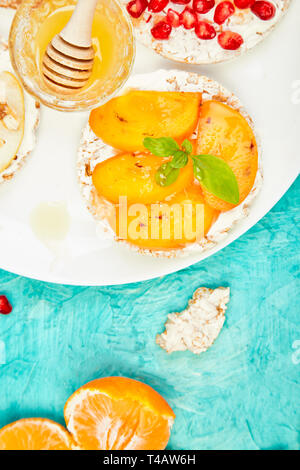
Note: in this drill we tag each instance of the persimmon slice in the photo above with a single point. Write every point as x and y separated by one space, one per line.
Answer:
125 121
175 223
133 176
225 133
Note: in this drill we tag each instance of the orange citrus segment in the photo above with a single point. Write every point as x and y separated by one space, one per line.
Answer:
117 413
35 434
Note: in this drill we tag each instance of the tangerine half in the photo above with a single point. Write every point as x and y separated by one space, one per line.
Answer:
35 434
117 413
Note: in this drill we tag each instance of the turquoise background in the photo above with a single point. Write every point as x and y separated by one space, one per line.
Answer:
241 394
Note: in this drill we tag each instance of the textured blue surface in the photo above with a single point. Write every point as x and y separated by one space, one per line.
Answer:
242 394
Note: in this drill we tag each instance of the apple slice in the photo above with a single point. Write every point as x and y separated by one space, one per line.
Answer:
12 117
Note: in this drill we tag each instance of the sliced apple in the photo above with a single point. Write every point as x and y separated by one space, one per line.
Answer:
12 117
125 121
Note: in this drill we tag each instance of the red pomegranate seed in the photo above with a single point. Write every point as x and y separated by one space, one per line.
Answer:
205 30
188 18
264 10
161 30
223 11
173 18
5 307
230 41
242 4
203 6
137 7
157 5
181 2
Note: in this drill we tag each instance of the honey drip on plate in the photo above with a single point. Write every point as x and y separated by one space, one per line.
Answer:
50 222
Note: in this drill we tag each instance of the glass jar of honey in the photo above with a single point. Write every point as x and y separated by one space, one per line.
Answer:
38 21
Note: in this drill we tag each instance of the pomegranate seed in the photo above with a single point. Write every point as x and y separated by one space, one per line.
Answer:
203 6
230 41
161 30
188 18
264 10
137 7
205 30
223 11
173 18
242 4
157 5
181 2
5 307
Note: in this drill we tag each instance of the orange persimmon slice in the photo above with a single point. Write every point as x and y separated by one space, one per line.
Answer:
175 223
225 133
133 176
125 121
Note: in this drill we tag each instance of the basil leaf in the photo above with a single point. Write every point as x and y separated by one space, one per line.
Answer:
166 174
187 146
197 171
179 160
161 147
217 177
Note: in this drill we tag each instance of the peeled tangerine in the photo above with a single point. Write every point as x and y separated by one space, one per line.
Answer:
117 413
133 176
225 133
183 219
12 115
35 434
125 121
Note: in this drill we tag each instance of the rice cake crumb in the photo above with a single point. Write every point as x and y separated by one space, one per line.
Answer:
198 326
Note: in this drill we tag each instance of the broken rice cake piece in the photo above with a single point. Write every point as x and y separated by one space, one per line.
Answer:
197 327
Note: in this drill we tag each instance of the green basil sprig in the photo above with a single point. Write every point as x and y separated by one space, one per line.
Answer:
212 172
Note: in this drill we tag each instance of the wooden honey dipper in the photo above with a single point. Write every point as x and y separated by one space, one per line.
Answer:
69 58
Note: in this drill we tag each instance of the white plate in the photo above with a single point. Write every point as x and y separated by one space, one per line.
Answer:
266 79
